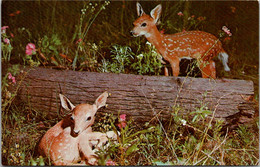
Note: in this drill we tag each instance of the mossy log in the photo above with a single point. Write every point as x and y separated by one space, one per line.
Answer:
140 97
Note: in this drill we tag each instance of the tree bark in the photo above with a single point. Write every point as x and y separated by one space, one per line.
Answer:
140 97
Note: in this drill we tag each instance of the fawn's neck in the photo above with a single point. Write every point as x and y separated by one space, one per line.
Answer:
156 38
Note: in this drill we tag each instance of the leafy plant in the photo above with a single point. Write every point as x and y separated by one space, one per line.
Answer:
6 44
121 58
148 62
48 48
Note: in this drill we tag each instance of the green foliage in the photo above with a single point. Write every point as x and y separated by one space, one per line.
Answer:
6 46
121 58
147 62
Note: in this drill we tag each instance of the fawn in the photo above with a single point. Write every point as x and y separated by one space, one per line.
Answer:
198 45
71 139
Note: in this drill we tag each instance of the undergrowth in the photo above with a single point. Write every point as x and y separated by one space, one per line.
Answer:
187 141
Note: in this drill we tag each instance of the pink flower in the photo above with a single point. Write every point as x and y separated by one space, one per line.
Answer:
11 78
7 41
122 121
121 124
227 31
78 41
122 117
3 29
180 14
110 162
30 49
12 35
10 75
162 31
227 39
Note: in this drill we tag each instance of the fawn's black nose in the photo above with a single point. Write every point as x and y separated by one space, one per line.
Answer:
76 132
132 33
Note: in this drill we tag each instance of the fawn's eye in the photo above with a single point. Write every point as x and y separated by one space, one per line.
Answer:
143 25
88 119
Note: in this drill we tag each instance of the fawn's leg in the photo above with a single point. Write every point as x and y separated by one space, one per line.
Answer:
86 148
175 64
101 137
208 69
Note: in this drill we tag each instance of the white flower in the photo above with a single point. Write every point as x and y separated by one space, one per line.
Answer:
140 56
148 43
183 122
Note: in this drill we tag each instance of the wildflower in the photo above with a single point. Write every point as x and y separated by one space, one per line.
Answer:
162 31
227 39
8 95
201 18
227 31
148 43
121 125
191 17
4 151
11 14
11 77
7 41
12 35
30 49
17 145
3 29
122 117
94 46
183 122
140 56
78 41
107 2
110 162
180 14
122 121
233 9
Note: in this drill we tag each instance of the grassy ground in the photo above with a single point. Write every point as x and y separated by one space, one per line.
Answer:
93 36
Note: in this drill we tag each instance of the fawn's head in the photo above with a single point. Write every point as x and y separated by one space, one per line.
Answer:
145 23
83 115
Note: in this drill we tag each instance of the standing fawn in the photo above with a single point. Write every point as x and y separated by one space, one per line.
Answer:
174 47
71 139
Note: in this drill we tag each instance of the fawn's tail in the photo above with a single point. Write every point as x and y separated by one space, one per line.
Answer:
223 56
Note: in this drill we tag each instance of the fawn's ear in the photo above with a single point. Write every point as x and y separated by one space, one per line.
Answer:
139 9
65 103
156 13
101 100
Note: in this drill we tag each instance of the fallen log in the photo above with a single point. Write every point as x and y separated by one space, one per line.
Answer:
140 97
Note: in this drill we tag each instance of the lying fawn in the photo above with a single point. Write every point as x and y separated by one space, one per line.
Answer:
71 139
199 45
